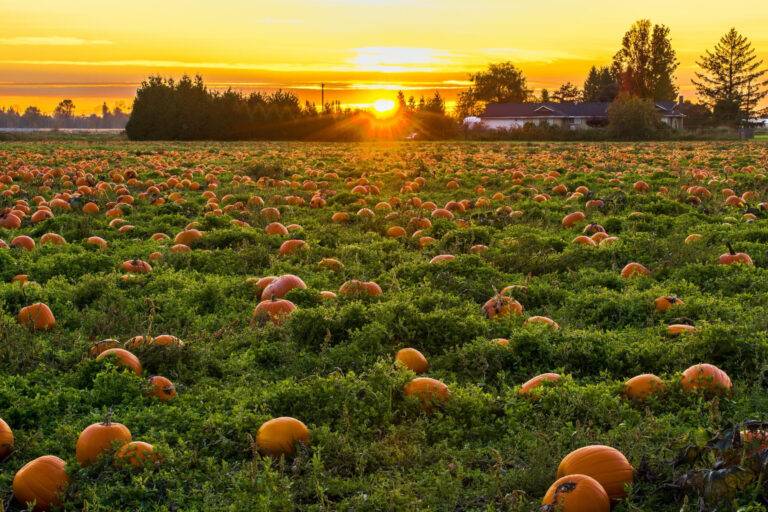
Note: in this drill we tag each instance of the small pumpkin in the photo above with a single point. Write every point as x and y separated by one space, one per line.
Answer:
136 453
136 266
642 386
102 345
412 359
274 310
666 303
542 320
429 391
99 438
354 288
605 464
634 269
576 493
500 306
537 381
572 219
279 436
41 481
280 287
162 388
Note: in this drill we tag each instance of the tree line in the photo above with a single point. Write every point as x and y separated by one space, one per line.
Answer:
731 81
63 117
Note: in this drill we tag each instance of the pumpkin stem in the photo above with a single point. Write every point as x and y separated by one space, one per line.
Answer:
730 248
108 417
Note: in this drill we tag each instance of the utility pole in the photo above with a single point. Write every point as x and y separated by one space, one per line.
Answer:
322 97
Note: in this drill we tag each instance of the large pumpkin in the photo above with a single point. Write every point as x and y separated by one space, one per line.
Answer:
37 316
706 377
123 358
279 436
41 481
605 464
275 311
99 438
6 440
576 493
162 388
279 287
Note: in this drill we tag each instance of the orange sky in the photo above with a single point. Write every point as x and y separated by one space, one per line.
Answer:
95 50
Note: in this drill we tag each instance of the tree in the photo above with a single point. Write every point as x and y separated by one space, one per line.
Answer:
544 98
632 117
697 115
500 83
33 117
567 93
401 103
601 85
731 81
646 62
435 105
64 110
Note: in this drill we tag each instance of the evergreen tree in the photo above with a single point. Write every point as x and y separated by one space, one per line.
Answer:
601 85
731 80
567 93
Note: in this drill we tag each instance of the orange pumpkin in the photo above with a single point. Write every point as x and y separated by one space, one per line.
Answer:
99 438
731 257
537 381
706 377
412 359
23 242
442 257
281 286
6 440
273 310
136 266
188 236
572 218
355 288
136 453
429 391
634 269
41 481
37 316
102 345
667 302
292 247
276 228
123 358
500 306
542 320
576 493
162 388
279 436
642 386
605 464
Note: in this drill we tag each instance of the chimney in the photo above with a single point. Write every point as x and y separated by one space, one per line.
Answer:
680 102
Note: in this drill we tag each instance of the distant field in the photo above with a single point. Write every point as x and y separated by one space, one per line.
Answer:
521 289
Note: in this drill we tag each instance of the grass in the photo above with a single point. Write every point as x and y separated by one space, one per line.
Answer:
330 364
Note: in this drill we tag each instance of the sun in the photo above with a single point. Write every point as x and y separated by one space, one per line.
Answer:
383 107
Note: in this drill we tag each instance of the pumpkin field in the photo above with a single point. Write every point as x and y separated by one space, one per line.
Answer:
383 326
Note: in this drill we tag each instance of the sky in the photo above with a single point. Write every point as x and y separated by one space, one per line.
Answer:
99 50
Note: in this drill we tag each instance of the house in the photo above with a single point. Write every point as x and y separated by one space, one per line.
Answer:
508 116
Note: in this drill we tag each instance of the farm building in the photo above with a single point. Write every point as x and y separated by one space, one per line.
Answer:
508 116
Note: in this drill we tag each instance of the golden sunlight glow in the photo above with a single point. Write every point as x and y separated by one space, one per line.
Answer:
363 50
382 107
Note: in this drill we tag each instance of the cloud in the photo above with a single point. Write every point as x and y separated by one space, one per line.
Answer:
52 41
398 59
280 21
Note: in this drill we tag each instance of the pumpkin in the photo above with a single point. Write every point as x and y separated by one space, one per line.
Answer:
677 329
442 257
634 269
102 345
123 358
478 249
37 316
279 436
138 342
537 381
584 240
41 481
136 266
642 386
292 246
572 218
542 320
693 238
99 438
331 264
6 440
429 391
666 302
273 310
576 493
276 228
502 342
412 359
162 388
731 257
605 464
97 241
23 242
166 340
354 288
136 453
279 287
52 239
188 236
706 377
501 305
